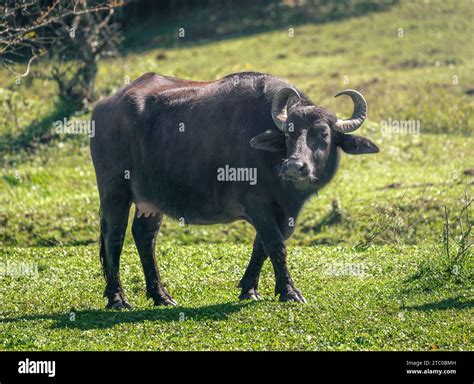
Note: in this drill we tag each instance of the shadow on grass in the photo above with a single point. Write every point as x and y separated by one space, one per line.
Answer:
451 303
38 132
103 319
193 26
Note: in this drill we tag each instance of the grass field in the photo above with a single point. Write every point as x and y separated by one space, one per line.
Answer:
368 252
357 301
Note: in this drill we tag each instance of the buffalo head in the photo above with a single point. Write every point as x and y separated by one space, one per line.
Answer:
310 135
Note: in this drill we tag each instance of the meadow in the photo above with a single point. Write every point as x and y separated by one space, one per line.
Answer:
370 253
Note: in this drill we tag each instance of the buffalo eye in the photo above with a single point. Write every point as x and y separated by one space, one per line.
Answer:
318 137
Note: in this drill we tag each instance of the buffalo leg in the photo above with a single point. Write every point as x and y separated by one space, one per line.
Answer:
113 225
249 282
273 242
144 230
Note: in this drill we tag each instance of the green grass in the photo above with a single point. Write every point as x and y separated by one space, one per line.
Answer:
357 301
391 205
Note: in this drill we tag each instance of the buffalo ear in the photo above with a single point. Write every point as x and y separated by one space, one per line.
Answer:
356 145
269 141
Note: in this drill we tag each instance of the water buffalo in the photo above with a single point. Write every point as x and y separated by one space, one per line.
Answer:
191 150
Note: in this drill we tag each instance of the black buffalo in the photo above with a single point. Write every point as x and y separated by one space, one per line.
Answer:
247 147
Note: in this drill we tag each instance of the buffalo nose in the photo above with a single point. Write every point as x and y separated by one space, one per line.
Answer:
295 168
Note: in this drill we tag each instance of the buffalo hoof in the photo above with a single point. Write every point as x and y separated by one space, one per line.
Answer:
118 301
251 294
293 295
118 305
166 300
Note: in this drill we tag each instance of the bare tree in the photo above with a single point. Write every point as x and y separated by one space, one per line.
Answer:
74 35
